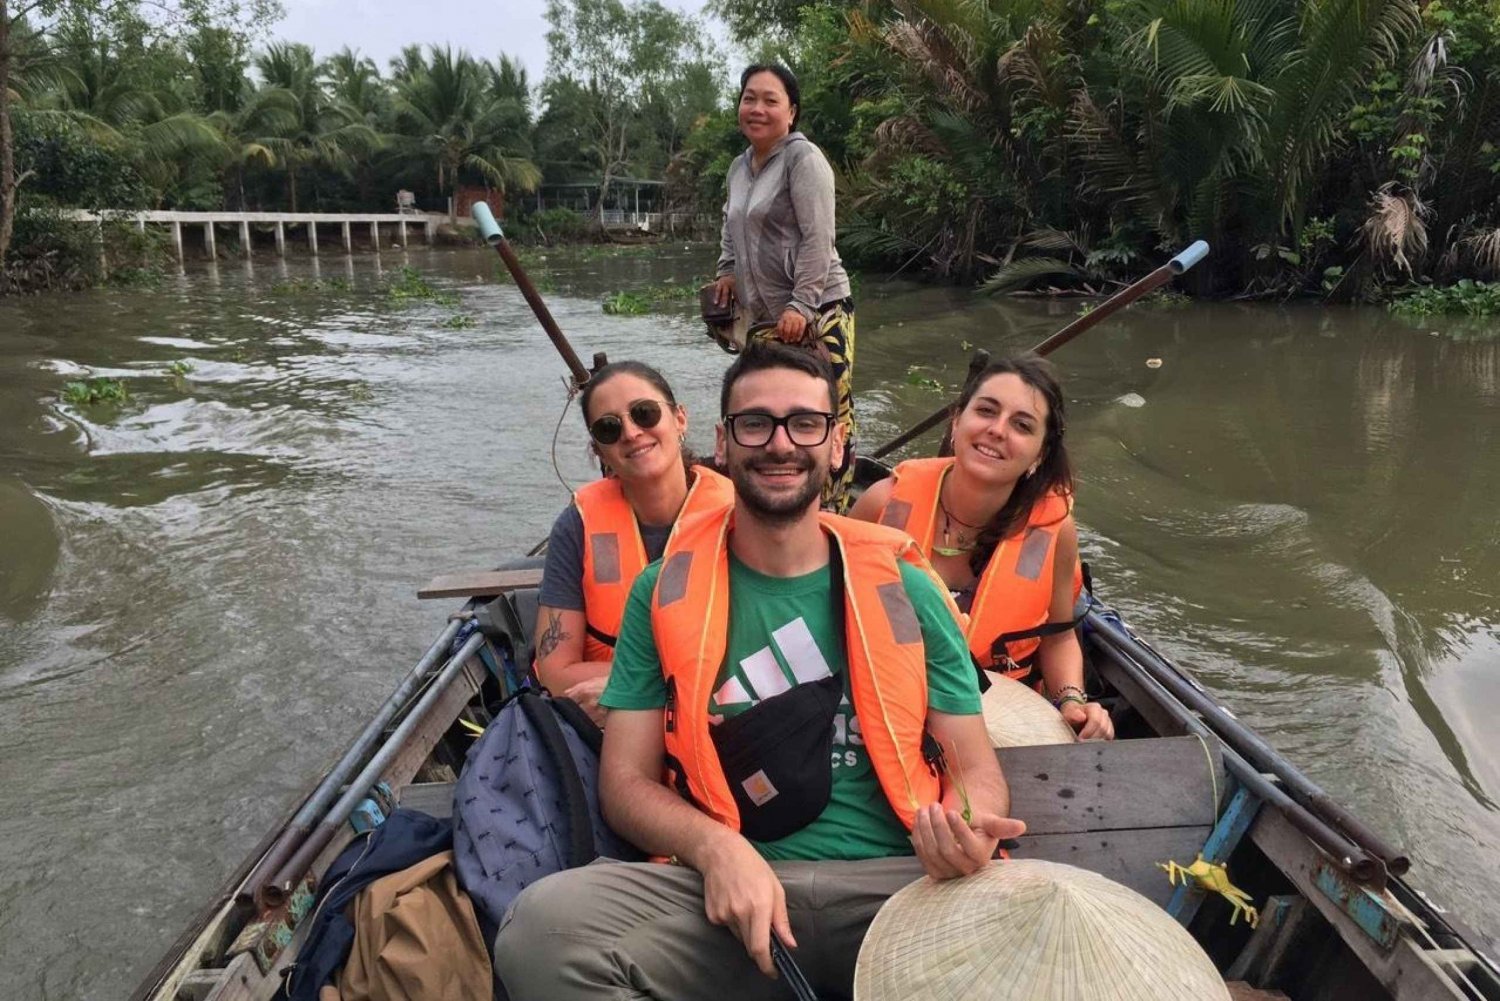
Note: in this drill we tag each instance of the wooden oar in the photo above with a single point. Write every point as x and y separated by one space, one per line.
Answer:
1155 280
495 237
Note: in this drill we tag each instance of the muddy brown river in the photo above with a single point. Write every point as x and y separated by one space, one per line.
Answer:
205 590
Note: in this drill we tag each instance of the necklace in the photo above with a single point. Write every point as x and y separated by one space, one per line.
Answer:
962 545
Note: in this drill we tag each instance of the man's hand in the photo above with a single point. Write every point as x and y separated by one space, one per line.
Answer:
741 892
586 694
724 291
949 847
1090 720
791 327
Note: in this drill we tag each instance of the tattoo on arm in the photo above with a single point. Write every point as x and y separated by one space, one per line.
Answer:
551 636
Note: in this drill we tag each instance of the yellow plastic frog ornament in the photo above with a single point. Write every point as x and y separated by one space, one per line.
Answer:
1214 877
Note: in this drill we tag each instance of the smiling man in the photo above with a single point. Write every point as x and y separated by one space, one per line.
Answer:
801 682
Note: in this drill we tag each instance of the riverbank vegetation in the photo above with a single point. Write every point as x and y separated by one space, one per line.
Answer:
1325 148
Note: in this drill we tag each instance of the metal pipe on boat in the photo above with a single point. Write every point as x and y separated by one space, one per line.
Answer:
1348 856
495 237
280 886
1252 745
1194 253
316 804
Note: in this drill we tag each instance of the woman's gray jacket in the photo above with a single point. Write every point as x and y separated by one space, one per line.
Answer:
779 230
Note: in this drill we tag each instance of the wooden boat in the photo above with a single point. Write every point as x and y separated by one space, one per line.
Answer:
1184 779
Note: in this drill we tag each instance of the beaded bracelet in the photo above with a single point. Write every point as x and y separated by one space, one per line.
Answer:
1063 697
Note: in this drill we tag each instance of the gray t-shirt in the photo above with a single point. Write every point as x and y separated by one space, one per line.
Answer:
562 575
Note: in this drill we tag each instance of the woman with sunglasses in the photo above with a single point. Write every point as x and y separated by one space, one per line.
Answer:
615 525
777 257
996 522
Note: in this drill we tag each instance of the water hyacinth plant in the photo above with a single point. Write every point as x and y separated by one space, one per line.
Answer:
97 389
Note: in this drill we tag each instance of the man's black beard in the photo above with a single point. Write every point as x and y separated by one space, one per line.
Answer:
777 511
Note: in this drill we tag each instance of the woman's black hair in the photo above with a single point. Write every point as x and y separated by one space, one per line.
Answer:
788 80
1054 471
643 372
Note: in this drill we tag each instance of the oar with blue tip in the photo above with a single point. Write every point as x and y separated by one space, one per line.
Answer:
1194 253
495 237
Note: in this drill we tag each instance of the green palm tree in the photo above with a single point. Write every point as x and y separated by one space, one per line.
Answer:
128 99
310 128
449 114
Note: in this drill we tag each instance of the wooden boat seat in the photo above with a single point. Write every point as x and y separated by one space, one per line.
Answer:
1117 808
480 583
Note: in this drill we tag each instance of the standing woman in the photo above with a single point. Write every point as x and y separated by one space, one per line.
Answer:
996 522
615 525
777 254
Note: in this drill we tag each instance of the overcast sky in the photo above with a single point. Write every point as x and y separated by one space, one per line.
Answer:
380 28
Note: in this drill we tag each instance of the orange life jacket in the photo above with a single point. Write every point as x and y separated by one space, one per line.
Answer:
887 660
614 555
1014 593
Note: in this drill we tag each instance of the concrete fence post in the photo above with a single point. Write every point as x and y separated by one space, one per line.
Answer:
177 238
245 236
312 236
348 243
280 238
208 239
375 235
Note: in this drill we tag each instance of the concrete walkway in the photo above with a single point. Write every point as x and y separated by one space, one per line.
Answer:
281 220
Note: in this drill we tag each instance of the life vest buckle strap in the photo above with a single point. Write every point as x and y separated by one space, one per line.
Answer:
932 753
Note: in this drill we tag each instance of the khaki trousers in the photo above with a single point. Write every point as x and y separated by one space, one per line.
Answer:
628 930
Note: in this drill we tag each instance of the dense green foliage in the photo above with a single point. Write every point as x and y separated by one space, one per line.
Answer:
1321 146
1465 297
1324 147
125 104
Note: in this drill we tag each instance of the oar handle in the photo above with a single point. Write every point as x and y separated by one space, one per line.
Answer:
1190 256
495 237
1195 252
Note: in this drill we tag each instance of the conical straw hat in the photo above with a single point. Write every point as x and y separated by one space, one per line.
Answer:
1028 930
1016 716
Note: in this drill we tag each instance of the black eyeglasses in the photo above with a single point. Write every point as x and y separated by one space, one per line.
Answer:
805 428
644 414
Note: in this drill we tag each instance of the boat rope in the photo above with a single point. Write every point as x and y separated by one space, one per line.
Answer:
572 392
1213 877
1213 773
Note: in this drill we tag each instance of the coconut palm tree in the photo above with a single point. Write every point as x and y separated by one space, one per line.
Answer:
320 131
449 114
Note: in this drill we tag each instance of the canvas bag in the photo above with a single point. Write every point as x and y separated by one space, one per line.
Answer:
527 803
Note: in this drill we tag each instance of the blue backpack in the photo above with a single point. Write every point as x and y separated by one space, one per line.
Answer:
527 803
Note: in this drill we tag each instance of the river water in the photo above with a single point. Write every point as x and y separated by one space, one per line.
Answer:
205 591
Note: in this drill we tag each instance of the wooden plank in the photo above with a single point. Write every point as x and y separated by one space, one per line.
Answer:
1113 785
480 583
1127 857
240 980
1406 970
433 798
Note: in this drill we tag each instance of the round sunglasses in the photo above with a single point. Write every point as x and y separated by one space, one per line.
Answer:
644 414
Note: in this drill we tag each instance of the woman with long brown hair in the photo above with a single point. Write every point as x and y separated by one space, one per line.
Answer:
996 522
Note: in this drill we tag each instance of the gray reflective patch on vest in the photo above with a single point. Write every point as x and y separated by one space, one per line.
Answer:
606 550
898 611
1033 558
897 514
673 582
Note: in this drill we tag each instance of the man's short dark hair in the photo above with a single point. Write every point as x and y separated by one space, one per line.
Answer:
760 355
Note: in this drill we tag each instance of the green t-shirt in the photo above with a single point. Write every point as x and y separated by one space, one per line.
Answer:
781 629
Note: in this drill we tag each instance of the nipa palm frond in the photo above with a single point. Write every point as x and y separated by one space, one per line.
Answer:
1396 230
1026 271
